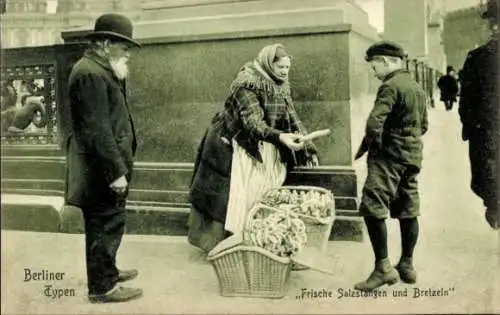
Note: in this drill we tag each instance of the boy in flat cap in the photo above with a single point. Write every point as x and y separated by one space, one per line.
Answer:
393 142
480 116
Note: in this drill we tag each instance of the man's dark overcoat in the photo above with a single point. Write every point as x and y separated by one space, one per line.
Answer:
101 141
480 117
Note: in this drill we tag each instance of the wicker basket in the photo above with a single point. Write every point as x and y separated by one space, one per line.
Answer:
317 229
250 271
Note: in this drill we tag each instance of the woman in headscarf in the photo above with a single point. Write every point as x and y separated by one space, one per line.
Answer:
247 150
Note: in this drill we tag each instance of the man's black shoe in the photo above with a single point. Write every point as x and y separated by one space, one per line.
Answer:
116 295
126 275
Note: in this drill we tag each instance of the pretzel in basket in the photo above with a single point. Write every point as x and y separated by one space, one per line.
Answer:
311 203
281 233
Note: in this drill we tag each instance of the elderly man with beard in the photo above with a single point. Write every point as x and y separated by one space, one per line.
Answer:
100 146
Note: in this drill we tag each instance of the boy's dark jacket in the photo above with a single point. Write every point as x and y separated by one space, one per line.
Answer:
397 121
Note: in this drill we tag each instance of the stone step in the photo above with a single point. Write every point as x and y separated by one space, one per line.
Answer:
49 214
157 183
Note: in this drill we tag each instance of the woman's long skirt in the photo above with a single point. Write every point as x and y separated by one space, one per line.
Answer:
250 180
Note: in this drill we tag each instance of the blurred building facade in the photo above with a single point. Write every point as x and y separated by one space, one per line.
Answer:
463 30
28 23
424 27
439 32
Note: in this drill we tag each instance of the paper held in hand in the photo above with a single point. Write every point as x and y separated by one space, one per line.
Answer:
315 259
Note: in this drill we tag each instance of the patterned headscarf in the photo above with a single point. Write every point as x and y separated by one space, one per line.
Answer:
266 57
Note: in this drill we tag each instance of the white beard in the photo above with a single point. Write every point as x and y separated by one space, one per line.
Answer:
120 67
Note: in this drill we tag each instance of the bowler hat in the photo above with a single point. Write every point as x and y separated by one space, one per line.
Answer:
491 11
385 48
114 27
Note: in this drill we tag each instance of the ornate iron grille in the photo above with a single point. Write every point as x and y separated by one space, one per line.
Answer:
29 105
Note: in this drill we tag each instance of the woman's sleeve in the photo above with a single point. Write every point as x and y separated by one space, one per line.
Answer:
299 127
252 117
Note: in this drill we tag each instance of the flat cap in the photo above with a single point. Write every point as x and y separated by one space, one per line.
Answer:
385 48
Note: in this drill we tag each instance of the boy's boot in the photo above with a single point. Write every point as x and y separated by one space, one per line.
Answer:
406 271
383 273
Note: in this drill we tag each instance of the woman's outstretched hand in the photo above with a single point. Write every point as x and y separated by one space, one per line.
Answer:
292 141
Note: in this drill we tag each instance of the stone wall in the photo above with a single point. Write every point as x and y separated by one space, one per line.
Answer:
363 87
176 89
437 56
194 58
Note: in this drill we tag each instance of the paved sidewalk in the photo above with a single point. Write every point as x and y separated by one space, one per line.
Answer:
177 281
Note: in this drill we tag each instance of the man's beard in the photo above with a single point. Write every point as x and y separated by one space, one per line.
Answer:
120 67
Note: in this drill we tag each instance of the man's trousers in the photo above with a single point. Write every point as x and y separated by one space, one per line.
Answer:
483 154
104 229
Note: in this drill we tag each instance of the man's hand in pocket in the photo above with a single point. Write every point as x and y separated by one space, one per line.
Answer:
119 185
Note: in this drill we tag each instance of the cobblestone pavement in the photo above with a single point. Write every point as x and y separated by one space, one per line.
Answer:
457 257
